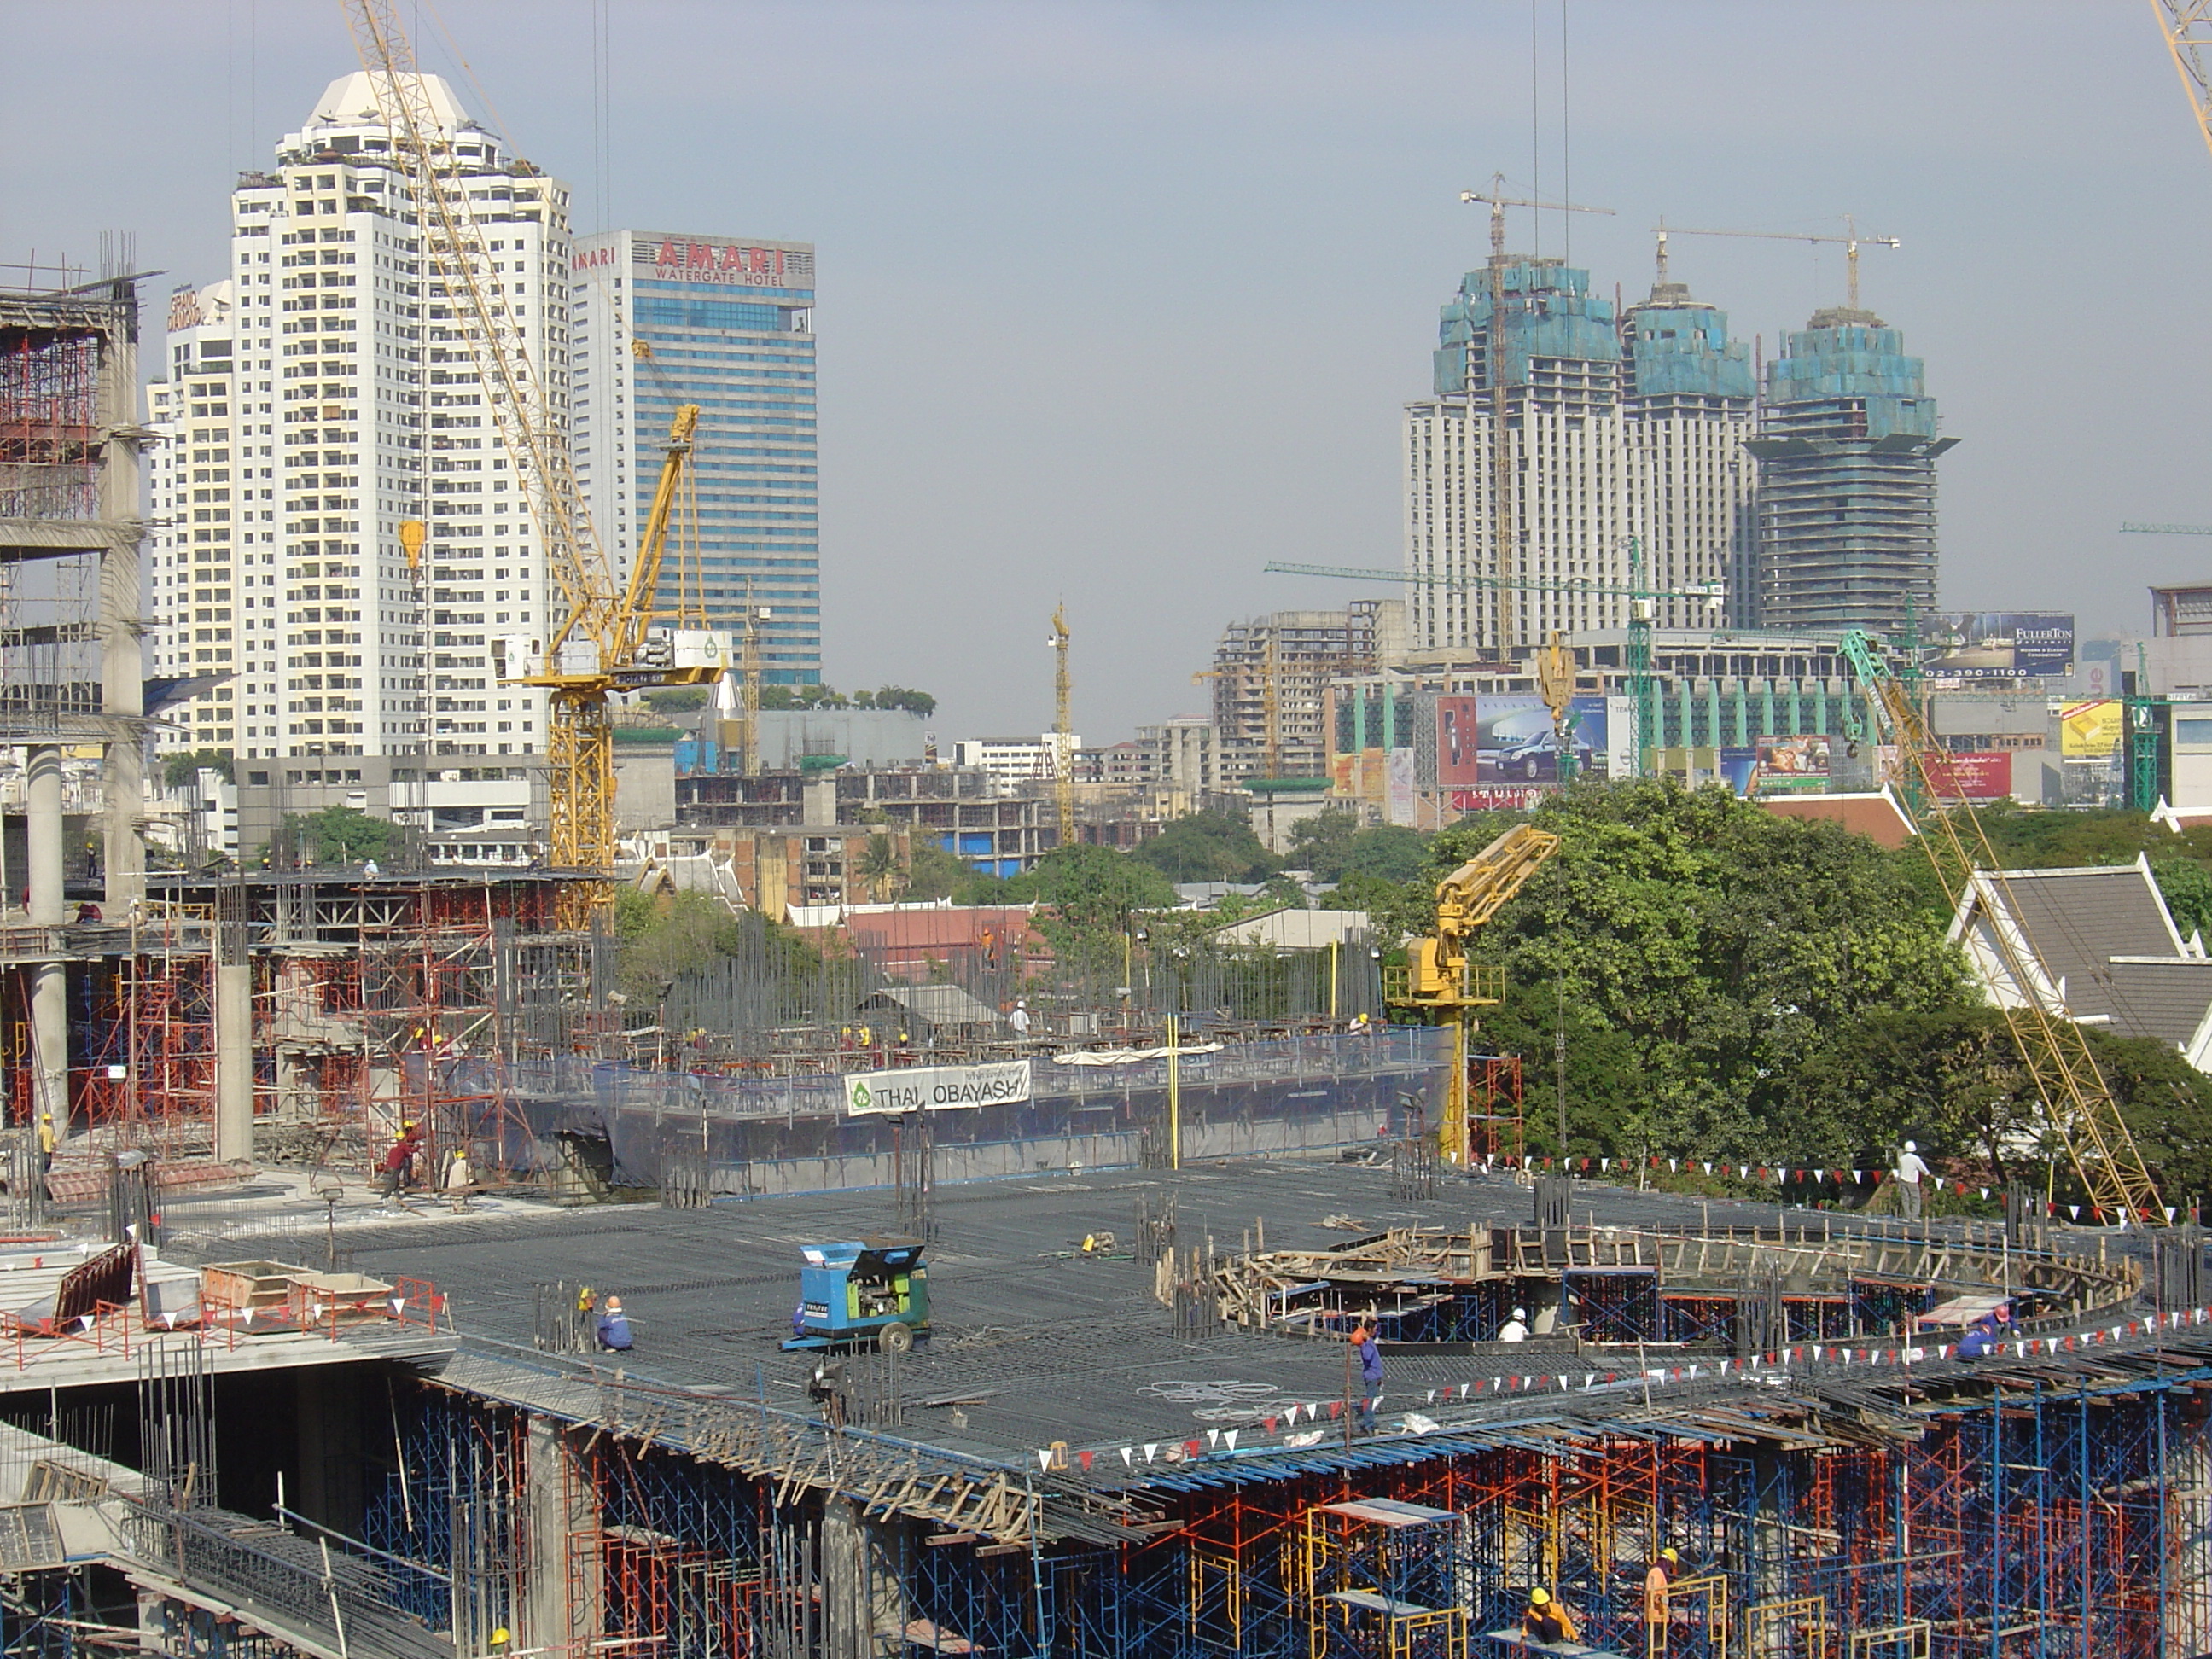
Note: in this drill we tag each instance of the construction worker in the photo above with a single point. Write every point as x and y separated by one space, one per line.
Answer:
401 1157
1548 1618
614 1327
1369 1355
1909 1169
1656 1610
1514 1330
1981 1338
48 1142
1019 1019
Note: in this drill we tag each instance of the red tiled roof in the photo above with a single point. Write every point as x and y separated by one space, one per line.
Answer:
1876 817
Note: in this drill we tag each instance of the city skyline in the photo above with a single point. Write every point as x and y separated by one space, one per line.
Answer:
1050 405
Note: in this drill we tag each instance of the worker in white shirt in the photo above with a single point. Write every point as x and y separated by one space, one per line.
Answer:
1909 1170
1019 1019
1514 1330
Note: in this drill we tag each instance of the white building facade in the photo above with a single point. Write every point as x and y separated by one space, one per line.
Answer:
355 406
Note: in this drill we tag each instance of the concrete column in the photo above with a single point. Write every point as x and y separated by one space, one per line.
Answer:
561 1546
863 1581
122 683
234 1063
49 980
45 835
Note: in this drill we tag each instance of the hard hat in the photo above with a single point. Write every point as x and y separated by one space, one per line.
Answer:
1911 1147
1539 1596
1520 1313
409 1124
500 1636
1668 1555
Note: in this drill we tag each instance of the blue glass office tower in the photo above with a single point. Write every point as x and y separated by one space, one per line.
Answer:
730 325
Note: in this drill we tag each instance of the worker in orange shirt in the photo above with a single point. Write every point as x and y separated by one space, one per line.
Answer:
1548 1618
1656 1610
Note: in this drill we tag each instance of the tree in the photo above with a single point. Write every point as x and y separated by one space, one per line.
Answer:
2187 886
666 935
1092 890
678 699
181 769
897 697
1322 842
934 873
1209 847
1710 954
879 866
1388 852
337 834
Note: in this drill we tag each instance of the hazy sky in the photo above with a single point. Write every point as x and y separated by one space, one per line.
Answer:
1120 300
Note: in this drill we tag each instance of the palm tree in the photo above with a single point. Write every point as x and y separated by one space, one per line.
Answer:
879 866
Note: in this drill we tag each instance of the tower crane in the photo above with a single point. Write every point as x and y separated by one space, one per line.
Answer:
1437 980
1850 240
606 643
2187 25
1641 683
2077 1102
1063 766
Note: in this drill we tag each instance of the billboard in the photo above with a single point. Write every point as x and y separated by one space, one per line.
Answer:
936 1087
1791 765
2090 730
1514 743
1401 795
1457 724
2000 643
1972 775
1498 799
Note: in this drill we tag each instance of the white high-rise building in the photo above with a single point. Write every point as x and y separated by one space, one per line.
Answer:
1562 475
1613 432
195 483
355 406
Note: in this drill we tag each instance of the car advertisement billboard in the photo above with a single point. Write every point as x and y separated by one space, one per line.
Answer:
1516 743
2000 643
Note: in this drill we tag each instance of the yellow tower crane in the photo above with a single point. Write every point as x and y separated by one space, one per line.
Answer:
2187 25
607 643
1063 759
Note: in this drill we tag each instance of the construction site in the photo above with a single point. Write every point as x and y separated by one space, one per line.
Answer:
857 1297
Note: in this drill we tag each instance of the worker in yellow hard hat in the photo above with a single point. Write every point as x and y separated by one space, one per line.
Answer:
398 1161
1548 1618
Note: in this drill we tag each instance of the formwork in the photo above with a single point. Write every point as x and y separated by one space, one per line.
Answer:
2043 1509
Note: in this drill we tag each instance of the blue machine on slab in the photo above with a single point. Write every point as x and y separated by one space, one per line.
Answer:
869 1289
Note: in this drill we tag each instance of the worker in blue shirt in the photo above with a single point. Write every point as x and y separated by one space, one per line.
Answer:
1371 1370
614 1327
1983 1336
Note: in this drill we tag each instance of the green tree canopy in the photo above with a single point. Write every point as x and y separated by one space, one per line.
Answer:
180 769
1209 847
337 834
1709 952
678 699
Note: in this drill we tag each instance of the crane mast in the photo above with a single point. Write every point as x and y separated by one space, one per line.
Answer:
2077 1102
2187 27
600 648
1063 759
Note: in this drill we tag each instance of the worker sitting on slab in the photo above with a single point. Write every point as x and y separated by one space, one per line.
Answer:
1548 1618
1514 1330
614 1327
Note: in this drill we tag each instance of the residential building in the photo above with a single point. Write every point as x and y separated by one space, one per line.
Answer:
195 484
1012 761
1847 445
1686 414
726 322
1516 473
1271 678
355 406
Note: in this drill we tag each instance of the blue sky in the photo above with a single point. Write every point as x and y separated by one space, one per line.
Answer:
1120 300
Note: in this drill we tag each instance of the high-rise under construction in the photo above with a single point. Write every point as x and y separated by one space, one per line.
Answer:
1847 447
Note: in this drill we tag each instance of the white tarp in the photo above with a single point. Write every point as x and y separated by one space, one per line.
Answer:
936 1087
1129 1056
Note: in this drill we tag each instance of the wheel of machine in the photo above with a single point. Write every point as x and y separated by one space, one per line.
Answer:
896 1338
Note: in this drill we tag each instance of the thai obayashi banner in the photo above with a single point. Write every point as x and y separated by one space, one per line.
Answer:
936 1087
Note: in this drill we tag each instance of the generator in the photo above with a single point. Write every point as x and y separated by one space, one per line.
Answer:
866 1290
